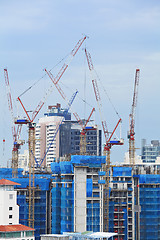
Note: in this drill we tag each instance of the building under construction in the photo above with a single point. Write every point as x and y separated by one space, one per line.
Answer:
70 199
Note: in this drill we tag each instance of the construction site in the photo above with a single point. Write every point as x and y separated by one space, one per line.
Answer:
68 182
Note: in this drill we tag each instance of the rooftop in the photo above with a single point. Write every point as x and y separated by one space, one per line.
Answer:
15 228
91 235
8 182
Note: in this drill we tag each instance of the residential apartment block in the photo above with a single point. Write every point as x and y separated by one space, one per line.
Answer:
66 140
70 198
150 152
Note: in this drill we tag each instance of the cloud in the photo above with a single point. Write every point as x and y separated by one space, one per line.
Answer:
130 16
22 16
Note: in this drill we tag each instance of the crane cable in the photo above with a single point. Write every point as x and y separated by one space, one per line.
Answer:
43 76
83 100
107 94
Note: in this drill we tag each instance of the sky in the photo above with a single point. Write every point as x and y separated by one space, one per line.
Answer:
122 36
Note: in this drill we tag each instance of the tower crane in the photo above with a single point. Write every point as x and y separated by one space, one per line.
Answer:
131 132
31 125
83 126
15 129
108 144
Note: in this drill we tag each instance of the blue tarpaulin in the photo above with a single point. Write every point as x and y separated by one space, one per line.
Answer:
122 171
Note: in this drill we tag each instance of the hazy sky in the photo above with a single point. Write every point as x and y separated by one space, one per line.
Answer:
123 35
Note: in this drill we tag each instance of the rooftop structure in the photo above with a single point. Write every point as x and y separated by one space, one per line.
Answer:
19 231
56 110
79 236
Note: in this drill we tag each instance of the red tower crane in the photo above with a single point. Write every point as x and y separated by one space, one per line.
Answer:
15 130
83 126
108 144
31 125
131 132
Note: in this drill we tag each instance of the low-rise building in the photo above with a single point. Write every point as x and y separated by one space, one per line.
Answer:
9 214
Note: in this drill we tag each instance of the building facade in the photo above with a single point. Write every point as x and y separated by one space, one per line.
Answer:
150 152
66 140
77 195
23 160
93 139
71 199
9 214
48 138
8 203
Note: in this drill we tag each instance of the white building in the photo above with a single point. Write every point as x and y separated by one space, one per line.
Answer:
67 139
9 214
9 210
23 160
139 161
45 132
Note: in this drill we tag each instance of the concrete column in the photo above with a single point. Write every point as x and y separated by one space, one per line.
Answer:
80 175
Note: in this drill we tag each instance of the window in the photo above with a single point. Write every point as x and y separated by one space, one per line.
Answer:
10 216
114 186
29 234
10 196
2 235
10 208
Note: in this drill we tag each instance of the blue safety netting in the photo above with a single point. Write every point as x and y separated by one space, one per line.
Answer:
90 161
40 207
66 167
55 168
149 178
67 208
122 171
7 172
150 208
89 187
125 223
62 208
56 209
61 167
93 217
111 216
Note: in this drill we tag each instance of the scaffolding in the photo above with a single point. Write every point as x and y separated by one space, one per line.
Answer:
55 199
63 193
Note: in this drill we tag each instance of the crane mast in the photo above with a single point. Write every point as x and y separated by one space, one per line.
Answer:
109 143
83 132
131 135
15 131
